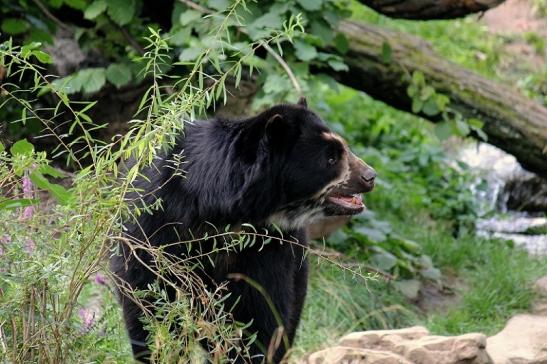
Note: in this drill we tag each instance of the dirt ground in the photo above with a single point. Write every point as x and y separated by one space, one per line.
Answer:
516 19
514 16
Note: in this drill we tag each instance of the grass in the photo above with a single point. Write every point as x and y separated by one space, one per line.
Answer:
497 278
339 302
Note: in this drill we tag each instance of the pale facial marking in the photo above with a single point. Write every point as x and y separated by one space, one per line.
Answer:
301 216
327 135
345 175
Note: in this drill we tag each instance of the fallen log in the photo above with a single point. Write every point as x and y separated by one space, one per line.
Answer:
512 122
429 9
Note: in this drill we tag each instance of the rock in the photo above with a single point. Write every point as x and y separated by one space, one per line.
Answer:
522 341
540 308
343 354
411 345
526 194
382 338
541 287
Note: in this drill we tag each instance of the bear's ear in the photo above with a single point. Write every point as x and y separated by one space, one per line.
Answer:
302 102
276 128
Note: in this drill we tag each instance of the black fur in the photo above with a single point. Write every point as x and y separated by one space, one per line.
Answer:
263 170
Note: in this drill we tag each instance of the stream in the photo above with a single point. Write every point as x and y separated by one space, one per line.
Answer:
509 211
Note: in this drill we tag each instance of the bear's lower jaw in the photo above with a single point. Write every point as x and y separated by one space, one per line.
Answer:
346 205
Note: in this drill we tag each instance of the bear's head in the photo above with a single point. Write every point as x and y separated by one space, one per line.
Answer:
316 172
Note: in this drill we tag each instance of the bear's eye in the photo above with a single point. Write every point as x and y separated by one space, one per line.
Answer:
332 161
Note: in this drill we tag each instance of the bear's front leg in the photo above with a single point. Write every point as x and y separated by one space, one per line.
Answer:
265 286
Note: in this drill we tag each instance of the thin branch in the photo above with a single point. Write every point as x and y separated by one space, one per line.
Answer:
430 9
131 40
50 15
269 49
285 66
197 7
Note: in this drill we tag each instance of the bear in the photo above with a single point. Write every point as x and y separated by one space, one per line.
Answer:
275 172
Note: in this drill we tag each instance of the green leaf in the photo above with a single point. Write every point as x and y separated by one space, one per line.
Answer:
189 16
121 11
409 245
341 43
338 65
442 101
412 91
310 5
322 30
425 261
409 288
67 84
384 261
430 107
43 57
219 5
91 79
443 130
6 204
338 238
88 80
418 78
50 171
427 92
431 273
55 3
95 9
179 36
376 235
22 147
481 134
2 148
62 195
417 105
386 52
118 74
189 54
14 26
269 20
304 51
462 127
39 35
475 123
76 4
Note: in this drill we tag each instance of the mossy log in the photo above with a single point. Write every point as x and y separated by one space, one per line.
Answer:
512 122
429 9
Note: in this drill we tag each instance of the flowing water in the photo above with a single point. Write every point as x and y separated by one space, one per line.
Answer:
497 168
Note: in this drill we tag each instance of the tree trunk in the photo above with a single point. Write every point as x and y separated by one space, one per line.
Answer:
512 122
429 9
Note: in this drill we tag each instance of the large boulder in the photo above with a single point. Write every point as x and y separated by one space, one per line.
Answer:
522 341
524 338
411 345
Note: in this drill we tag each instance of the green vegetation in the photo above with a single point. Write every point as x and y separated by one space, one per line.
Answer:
56 227
424 197
497 278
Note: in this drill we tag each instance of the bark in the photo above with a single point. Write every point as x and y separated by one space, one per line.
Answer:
512 122
429 9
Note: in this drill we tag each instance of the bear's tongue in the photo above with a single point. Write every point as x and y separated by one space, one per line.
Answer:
348 200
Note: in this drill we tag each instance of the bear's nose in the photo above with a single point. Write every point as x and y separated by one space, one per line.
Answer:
369 175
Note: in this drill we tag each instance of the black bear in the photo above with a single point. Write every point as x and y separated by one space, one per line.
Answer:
282 168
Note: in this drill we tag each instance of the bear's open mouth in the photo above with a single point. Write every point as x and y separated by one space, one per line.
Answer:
345 204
